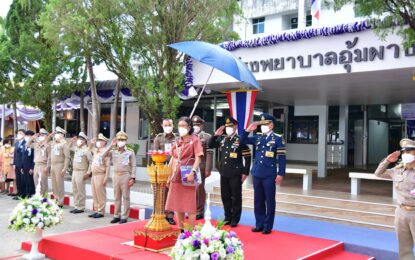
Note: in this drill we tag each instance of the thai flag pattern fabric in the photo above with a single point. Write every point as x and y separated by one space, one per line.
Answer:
315 8
241 105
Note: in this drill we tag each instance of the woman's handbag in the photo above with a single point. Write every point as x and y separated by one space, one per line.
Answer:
186 169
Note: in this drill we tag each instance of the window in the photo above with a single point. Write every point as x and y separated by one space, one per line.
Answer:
294 22
302 129
258 25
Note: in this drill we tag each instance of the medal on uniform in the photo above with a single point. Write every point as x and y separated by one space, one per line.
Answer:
269 154
126 159
233 155
56 149
78 158
167 147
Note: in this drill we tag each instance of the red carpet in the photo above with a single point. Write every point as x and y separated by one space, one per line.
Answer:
105 243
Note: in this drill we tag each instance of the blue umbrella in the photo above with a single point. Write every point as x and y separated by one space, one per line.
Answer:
217 58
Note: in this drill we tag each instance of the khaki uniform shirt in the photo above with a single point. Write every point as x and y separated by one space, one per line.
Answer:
42 152
164 141
59 153
207 159
123 161
82 158
100 163
403 179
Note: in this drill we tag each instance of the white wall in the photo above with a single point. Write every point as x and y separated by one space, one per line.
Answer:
302 152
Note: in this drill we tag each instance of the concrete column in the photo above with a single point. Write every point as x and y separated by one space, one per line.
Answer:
343 131
301 14
112 134
123 114
3 113
132 122
323 116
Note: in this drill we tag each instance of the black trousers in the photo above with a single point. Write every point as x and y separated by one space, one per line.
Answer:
29 183
231 191
20 182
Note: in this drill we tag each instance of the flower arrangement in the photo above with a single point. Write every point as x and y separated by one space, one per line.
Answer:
221 244
35 213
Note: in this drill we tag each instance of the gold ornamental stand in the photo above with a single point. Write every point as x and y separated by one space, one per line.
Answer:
157 234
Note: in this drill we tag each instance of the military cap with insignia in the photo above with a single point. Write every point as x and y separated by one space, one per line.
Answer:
29 132
121 135
60 130
83 135
43 131
101 137
230 121
266 119
407 144
197 120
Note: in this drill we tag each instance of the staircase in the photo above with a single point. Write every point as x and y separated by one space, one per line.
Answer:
340 210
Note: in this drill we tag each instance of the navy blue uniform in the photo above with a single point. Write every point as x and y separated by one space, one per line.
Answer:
269 152
28 164
18 163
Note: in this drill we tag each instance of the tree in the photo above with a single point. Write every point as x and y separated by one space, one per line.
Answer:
387 16
135 33
65 24
36 65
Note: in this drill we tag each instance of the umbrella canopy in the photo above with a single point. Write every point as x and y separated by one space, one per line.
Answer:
218 58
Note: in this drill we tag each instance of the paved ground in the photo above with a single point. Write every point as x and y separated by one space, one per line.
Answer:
10 240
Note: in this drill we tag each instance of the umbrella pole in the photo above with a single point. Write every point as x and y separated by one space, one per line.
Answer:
201 92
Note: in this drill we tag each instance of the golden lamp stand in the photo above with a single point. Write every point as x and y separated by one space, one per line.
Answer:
159 173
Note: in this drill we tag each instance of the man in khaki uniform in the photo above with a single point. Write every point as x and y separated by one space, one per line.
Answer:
403 176
42 159
81 169
123 160
164 142
59 161
100 171
205 164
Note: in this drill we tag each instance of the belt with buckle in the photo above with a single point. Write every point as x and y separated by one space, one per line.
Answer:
407 208
120 173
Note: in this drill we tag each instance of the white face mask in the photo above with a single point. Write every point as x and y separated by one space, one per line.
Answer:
7 145
27 138
41 138
264 129
79 142
121 143
407 158
196 129
98 144
168 129
19 137
183 131
58 137
229 131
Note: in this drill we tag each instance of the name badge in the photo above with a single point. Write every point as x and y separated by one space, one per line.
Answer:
233 155
167 147
269 154
57 151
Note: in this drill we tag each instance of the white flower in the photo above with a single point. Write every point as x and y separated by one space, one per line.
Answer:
40 225
26 220
204 256
35 220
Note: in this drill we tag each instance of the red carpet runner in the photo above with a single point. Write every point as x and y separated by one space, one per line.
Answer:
105 243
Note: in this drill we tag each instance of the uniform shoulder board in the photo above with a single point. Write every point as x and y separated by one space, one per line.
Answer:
399 166
159 135
278 135
259 134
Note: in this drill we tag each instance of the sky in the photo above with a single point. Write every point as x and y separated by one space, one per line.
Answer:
101 72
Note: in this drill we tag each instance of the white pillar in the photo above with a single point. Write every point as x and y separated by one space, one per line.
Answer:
301 14
3 114
122 114
53 114
343 131
322 141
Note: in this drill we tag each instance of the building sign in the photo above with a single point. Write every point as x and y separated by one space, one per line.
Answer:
346 57
408 111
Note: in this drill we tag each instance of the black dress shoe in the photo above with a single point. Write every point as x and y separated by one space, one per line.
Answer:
60 206
77 211
97 215
15 198
199 216
171 221
115 220
255 229
234 224
266 232
71 211
92 215
122 221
